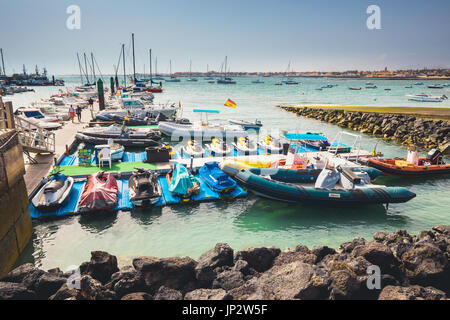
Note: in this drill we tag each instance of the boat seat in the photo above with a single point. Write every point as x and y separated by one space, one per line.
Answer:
54 186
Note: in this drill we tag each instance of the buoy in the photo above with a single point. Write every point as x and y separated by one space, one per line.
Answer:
67 150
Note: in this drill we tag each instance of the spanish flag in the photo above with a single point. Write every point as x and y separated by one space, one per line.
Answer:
230 103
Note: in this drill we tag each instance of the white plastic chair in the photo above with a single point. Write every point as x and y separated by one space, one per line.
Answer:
104 156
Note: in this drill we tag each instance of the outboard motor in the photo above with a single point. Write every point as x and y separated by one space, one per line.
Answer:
434 156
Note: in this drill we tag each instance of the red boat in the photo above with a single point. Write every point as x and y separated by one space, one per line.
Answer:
99 193
154 89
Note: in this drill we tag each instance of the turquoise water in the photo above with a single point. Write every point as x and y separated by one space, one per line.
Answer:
193 229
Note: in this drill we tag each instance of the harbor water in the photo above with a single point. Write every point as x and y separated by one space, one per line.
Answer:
189 230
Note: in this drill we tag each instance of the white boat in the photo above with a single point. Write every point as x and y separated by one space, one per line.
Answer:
200 130
426 97
43 124
257 124
35 113
117 150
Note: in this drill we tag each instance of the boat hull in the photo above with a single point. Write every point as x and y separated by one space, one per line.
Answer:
389 168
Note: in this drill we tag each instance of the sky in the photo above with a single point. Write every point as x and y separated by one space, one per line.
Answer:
256 35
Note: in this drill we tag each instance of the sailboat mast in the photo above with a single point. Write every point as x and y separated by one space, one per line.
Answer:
79 65
170 67
86 69
190 68
150 53
225 66
93 67
124 72
3 62
156 66
134 62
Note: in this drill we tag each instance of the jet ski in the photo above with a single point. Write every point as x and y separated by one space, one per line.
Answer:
181 182
271 145
99 193
218 147
144 188
193 148
245 145
215 178
54 193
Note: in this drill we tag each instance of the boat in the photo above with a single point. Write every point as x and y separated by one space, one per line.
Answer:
181 182
435 86
225 79
387 89
354 88
426 97
54 193
313 140
278 83
257 81
335 186
431 165
270 145
172 77
408 87
190 73
35 113
120 132
218 147
289 80
99 193
245 145
257 124
143 188
117 150
371 87
418 83
215 178
369 83
126 142
193 149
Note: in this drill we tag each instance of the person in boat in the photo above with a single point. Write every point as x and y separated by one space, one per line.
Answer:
412 155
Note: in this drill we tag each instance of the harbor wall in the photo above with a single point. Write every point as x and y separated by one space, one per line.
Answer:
15 222
402 128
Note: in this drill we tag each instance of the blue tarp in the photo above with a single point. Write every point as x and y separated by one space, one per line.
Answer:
206 111
181 180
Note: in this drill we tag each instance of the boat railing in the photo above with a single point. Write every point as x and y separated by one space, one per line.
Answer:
356 146
34 138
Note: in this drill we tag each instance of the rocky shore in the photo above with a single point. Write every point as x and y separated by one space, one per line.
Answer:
405 129
412 267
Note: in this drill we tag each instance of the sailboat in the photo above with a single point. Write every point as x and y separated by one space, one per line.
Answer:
157 76
190 73
289 80
152 88
207 72
225 79
172 77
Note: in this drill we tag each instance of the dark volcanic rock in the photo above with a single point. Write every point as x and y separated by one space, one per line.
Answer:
126 281
322 251
221 255
137 296
378 254
207 294
296 280
65 293
18 274
92 289
427 265
48 284
251 290
411 293
30 280
165 293
344 284
260 259
174 273
101 266
242 266
228 280
14 291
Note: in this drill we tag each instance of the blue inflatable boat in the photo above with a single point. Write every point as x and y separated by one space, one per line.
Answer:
335 187
215 178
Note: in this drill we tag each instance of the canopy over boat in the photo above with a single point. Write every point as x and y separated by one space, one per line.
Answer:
206 111
304 136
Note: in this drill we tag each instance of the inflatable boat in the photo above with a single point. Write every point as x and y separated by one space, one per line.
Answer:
99 193
116 132
144 188
54 193
138 143
431 165
257 124
215 178
334 187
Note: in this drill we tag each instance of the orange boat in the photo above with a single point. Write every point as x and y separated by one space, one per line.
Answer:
432 165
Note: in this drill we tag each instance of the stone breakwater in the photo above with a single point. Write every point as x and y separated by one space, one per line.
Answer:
405 129
411 267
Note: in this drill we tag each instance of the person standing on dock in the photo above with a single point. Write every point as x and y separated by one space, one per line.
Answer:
91 107
79 113
71 113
